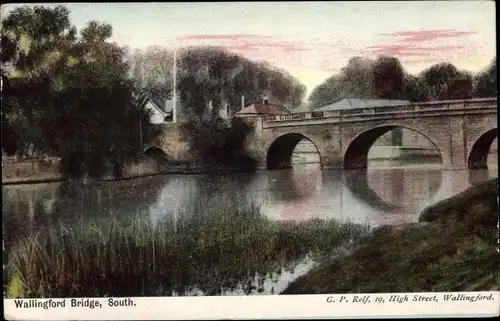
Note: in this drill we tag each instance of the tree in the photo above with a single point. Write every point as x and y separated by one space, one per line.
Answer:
101 127
414 89
69 97
215 75
35 45
388 77
355 80
444 81
486 82
326 93
462 86
152 70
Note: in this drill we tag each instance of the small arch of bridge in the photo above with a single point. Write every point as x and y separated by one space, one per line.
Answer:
478 156
279 154
356 154
157 154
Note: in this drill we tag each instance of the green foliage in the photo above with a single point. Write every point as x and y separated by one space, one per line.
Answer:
444 81
389 75
213 74
216 142
214 251
486 81
385 78
414 89
355 80
68 97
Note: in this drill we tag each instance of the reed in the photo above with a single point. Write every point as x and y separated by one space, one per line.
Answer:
214 252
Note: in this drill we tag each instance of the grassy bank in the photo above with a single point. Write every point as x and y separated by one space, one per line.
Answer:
454 248
213 252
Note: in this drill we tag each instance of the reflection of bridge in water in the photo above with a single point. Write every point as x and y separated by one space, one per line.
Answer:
461 131
383 194
375 196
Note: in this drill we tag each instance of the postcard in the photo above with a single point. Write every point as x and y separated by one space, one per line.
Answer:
249 160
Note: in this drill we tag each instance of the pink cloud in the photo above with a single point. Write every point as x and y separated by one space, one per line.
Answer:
410 46
222 37
412 51
427 35
431 46
310 53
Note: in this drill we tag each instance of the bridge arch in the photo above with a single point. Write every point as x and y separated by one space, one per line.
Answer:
157 154
279 154
478 156
356 154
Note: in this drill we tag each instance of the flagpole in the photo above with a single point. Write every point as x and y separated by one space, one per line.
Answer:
174 109
174 112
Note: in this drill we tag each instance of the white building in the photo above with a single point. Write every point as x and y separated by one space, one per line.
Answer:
159 114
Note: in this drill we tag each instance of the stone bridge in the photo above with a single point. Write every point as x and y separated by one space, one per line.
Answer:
462 131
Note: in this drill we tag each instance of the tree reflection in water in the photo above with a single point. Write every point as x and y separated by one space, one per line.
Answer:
112 249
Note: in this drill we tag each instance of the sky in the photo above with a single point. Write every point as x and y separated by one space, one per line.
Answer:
311 40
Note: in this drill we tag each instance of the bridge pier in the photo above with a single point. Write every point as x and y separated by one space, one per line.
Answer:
331 161
456 156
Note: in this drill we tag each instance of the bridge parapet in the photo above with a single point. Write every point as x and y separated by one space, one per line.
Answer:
415 109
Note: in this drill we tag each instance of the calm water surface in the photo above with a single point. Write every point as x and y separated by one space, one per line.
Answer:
374 197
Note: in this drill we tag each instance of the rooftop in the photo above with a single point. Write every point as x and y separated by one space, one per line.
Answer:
262 109
166 106
354 103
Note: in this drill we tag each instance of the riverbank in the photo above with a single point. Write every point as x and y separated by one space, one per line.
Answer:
48 173
452 248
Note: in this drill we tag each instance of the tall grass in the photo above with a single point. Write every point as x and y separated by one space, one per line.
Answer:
213 252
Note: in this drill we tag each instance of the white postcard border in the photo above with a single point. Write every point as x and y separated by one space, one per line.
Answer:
266 307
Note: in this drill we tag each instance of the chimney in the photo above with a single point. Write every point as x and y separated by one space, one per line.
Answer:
242 102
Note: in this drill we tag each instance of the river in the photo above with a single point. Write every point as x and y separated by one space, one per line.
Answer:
390 194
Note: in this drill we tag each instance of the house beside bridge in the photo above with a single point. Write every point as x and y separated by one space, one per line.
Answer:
264 108
161 112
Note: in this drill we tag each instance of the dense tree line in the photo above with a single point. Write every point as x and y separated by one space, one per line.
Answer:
213 74
74 95
67 94
385 78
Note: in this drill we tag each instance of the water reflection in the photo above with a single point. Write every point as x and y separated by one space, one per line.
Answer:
300 193
394 190
31 208
297 194
226 233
